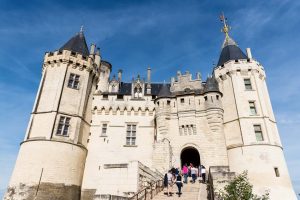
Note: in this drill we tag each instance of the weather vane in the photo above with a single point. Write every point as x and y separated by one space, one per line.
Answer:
226 28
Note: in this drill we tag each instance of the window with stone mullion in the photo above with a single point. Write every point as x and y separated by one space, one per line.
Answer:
130 134
63 126
73 81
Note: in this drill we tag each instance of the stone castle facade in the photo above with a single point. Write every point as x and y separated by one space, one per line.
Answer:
91 136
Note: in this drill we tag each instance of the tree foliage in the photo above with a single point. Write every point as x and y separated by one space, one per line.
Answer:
240 189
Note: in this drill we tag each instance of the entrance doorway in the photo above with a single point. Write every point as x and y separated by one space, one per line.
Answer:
190 155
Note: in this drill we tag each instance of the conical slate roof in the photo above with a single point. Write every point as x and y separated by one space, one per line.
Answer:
164 91
211 85
77 44
230 51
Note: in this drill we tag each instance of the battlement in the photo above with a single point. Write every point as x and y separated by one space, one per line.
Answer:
242 66
72 58
186 82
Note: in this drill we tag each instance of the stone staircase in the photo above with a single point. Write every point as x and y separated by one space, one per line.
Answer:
190 191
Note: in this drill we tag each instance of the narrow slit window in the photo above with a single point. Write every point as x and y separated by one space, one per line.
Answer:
63 126
276 172
104 130
258 133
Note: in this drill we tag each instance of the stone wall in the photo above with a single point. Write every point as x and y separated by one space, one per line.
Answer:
122 180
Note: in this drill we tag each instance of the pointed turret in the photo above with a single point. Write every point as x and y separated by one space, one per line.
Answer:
77 44
211 85
164 91
230 50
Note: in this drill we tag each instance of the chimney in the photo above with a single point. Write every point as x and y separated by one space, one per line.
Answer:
198 75
98 51
249 54
120 75
148 75
92 51
97 57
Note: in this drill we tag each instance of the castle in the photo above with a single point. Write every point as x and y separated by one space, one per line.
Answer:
91 135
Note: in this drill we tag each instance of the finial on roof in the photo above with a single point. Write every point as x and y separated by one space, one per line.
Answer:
81 29
226 28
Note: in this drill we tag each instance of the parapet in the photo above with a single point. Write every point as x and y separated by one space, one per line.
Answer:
72 58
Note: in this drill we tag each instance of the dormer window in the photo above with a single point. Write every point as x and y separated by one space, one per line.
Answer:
114 88
138 92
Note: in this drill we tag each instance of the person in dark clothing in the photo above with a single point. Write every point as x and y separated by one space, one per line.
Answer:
166 180
176 172
179 183
173 170
203 174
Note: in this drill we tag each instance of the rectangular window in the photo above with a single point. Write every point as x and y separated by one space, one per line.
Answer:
168 103
120 97
105 96
247 83
131 134
276 171
63 126
104 130
252 108
258 133
73 81
182 100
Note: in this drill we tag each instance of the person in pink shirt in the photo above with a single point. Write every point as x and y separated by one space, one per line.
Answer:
185 172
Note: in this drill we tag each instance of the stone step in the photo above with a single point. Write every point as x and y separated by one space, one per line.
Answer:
190 191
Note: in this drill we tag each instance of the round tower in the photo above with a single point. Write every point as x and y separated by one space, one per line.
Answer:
51 158
214 116
163 111
162 151
251 134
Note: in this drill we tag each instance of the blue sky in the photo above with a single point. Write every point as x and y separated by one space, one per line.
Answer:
166 35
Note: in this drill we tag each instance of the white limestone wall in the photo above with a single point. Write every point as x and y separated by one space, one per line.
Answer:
112 148
260 161
55 99
60 162
45 157
244 151
125 179
205 116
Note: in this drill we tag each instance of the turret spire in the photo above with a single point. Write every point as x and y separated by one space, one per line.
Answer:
225 28
230 50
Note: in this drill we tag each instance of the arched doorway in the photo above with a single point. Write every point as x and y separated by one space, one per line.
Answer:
190 155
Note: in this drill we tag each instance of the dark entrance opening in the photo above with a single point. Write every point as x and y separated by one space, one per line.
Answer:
190 155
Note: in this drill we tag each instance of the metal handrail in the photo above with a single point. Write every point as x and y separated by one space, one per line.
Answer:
142 194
